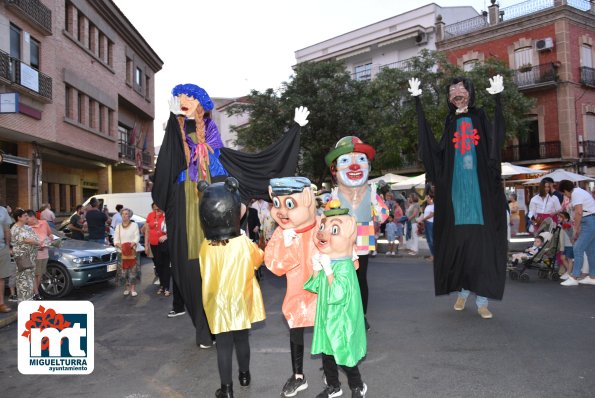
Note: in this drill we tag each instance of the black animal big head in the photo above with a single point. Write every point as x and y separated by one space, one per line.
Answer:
220 209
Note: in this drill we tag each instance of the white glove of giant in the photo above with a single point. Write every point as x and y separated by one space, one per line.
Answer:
174 105
288 236
325 262
316 265
414 87
496 85
301 116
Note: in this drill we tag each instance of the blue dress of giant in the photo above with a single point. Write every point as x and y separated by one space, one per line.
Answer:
470 206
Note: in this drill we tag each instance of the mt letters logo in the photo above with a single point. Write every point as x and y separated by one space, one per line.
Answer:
56 337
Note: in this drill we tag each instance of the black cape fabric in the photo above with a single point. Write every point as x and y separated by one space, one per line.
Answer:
253 172
472 257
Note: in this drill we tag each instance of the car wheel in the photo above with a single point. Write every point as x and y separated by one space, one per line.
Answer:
56 282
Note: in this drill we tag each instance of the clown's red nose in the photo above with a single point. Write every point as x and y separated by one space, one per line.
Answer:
354 167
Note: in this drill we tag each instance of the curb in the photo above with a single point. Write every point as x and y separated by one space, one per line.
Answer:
12 317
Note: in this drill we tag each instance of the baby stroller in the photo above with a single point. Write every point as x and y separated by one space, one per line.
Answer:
545 260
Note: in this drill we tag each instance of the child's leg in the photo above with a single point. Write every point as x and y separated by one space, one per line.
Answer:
224 356
241 341
354 378
330 370
296 342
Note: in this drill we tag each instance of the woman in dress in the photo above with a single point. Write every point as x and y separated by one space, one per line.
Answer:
126 239
412 212
543 205
25 244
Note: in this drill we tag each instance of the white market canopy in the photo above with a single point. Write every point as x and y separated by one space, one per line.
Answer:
559 175
412 182
389 178
509 169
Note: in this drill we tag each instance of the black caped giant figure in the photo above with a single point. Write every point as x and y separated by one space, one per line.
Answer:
470 206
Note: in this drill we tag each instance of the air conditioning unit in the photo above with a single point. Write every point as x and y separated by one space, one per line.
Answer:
421 38
544 44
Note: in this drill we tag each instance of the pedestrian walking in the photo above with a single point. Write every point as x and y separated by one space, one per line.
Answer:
44 234
428 220
96 222
158 246
7 268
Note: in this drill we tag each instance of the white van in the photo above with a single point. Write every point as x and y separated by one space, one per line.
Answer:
138 202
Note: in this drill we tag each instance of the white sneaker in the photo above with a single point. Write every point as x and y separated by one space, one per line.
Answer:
564 276
374 253
570 282
587 280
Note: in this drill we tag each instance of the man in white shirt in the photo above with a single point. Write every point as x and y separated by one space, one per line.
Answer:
583 206
116 219
48 215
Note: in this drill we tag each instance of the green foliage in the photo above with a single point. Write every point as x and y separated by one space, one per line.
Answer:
381 112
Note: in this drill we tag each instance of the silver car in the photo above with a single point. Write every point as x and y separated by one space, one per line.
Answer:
76 263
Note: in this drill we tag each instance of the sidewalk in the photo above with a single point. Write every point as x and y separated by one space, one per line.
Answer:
9 317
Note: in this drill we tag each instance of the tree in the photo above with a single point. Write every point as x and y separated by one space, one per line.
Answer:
380 112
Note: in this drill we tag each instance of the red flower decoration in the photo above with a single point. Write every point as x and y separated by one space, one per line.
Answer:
43 319
463 139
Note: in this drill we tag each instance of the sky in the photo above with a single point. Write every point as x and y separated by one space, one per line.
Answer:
229 47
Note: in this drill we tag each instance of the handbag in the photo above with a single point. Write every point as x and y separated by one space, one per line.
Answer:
24 263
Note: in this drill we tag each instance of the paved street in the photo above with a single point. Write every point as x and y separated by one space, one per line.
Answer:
540 343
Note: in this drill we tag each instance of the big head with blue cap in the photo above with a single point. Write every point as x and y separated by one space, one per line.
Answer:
294 204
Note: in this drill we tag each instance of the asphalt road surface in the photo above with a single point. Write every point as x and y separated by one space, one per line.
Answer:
540 343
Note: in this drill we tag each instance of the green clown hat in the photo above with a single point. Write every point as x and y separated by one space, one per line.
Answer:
349 144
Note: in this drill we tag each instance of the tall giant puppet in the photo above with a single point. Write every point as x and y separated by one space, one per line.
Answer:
192 150
349 162
470 206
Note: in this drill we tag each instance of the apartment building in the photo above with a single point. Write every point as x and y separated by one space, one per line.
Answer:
77 102
549 44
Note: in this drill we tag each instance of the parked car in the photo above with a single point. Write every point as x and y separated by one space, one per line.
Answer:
76 263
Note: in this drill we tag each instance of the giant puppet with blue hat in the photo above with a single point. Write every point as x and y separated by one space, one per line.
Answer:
289 253
350 164
192 150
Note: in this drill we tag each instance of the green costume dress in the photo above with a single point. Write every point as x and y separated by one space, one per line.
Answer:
339 328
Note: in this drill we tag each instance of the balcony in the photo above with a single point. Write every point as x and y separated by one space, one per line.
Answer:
532 77
587 76
127 151
35 12
545 150
147 159
24 78
467 26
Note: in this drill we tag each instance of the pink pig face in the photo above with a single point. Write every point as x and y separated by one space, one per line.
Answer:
336 236
294 211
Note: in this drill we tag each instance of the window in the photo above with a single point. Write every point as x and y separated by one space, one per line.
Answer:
586 56
81 28
590 127
102 118
110 53
34 57
80 107
123 133
91 113
101 42
469 65
147 81
363 72
67 103
138 77
62 198
128 70
15 41
523 57
72 197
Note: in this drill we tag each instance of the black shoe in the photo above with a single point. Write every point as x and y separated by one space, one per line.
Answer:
367 324
37 297
173 313
293 386
245 378
330 392
226 391
359 392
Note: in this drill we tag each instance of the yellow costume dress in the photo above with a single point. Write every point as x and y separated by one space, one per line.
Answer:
231 295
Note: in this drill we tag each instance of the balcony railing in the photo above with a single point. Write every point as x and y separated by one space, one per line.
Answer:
147 159
467 26
588 76
589 149
35 11
404 65
545 150
33 81
127 151
540 75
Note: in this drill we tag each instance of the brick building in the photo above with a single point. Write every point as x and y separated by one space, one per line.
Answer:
549 44
77 87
